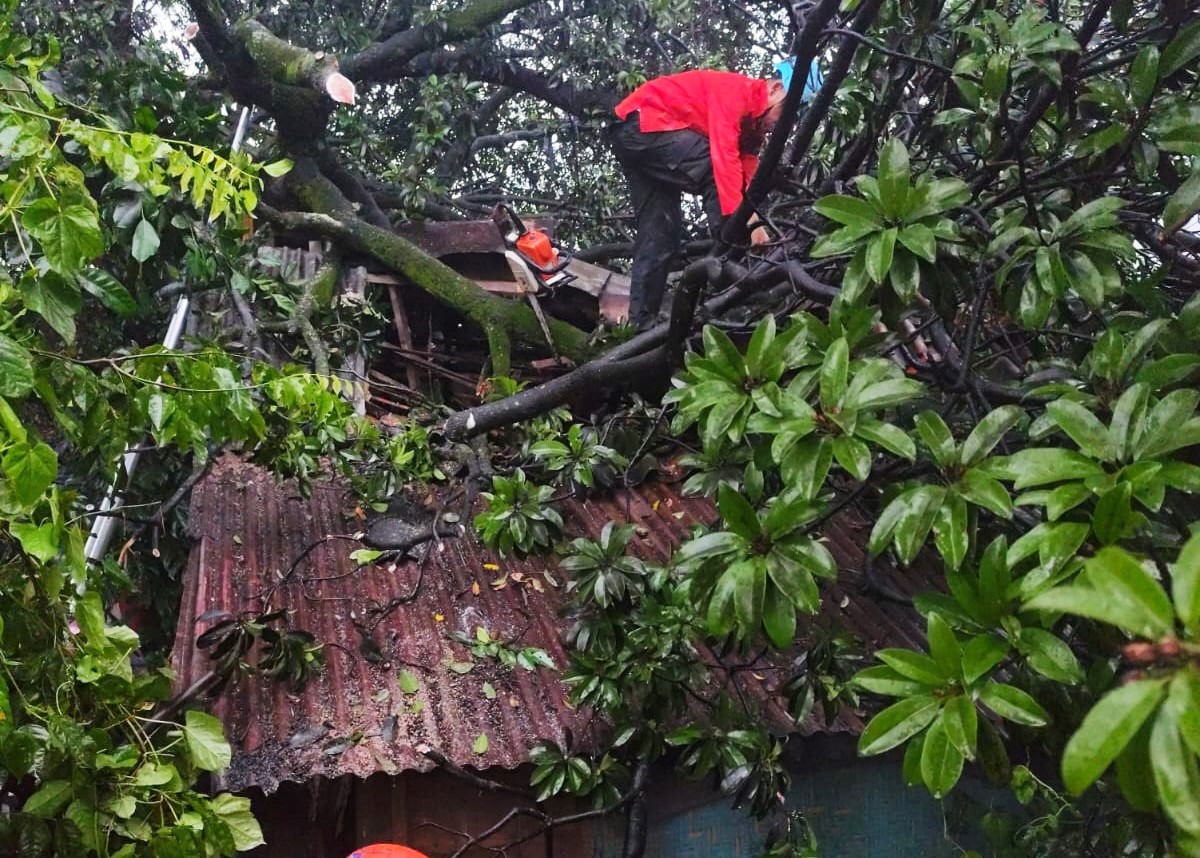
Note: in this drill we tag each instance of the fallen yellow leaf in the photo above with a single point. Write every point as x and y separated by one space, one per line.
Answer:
491 567
537 585
474 588
439 618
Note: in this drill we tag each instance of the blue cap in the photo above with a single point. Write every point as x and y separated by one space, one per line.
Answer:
812 83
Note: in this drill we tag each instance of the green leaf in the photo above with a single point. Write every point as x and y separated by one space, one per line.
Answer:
49 800
278 168
950 531
944 648
1128 420
54 300
1178 129
941 761
1184 699
750 584
941 195
408 682
779 617
37 540
738 514
884 394
891 438
1041 465
897 724
1082 426
853 455
206 741
893 177
1126 582
988 433
880 250
980 655
905 275
1106 729
145 241
1181 50
480 745
1143 76
1135 774
1184 203
848 211
834 372
887 521
962 724
913 528
913 665
1086 279
936 435
1049 655
1099 213
708 545
151 774
1013 704
16 369
987 492
30 469
760 342
114 296
882 679
920 240
1176 774
1185 584
1111 518
68 232
234 811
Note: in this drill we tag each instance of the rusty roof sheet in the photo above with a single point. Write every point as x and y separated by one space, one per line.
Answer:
354 717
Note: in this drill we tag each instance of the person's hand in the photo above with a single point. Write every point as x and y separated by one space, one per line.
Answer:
759 235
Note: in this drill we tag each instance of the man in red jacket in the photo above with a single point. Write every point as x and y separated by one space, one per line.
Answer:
694 132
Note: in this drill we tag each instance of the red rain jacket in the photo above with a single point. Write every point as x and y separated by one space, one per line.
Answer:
713 103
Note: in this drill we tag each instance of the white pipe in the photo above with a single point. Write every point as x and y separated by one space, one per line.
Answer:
240 134
104 523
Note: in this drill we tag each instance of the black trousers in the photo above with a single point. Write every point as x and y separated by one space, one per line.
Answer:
660 167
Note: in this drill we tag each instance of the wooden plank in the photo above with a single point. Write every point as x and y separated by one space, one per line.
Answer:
467 236
404 335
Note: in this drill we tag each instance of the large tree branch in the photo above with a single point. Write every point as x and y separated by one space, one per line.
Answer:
556 91
380 62
460 151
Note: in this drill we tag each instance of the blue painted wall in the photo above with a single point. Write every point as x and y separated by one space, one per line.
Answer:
858 809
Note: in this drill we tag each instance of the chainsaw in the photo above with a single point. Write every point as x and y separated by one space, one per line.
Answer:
537 263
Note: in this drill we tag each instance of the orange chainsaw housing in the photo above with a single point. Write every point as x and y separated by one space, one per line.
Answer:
536 247
387 850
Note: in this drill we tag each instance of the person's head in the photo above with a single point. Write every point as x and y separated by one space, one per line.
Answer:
776 92
756 128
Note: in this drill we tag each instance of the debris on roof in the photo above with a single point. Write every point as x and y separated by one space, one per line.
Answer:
381 699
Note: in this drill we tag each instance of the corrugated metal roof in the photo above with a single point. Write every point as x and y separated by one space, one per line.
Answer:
353 717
